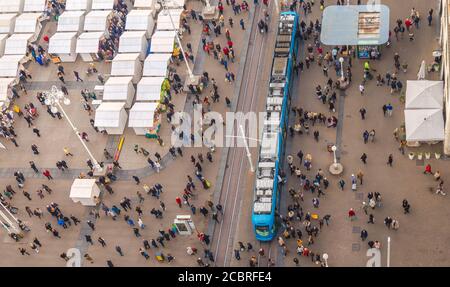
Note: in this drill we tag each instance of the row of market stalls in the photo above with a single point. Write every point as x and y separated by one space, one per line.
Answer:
20 25
138 43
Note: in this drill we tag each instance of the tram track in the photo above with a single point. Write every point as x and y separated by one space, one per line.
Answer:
231 195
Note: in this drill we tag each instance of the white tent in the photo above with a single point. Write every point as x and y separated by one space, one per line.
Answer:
140 20
127 65
162 42
71 21
63 44
84 191
424 94
3 38
97 20
88 45
166 22
17 44
146 4
81 5
149 89
119 89
133 42
11 6
172 4
102 4
9 65
34 5
424 125
7 22
29 23
142 117
155 65
5 84
111 117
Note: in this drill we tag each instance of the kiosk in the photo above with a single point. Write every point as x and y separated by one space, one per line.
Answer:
63 44
155 65
134 42
140 20
71 21
111 117
96 21
78 5
17 44
84 191
127 65
119 89
144 119
7 23
88 45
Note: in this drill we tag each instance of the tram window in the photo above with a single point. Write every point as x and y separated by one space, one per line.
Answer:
262 230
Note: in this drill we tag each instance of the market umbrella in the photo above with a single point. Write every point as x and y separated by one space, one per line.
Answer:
422 71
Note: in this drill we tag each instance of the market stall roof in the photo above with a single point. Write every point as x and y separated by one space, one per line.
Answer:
124 64
164 21
424 94
155 65
171 4
84 190
96 20
424 125
34 5
61 42
149 89
80 5
142 115
150 4
355 25
17 44
9 65
11 6
138 19
4 86
27 22
131 41
162 42
107 115
7 22
70 21
116 89
88 42
102 4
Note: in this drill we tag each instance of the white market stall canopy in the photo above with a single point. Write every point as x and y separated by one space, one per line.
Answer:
97 20
71 21
146 4
34 5
88 42
62 43
142 115
140 20
171 4
424 94
84 191
164 21
80 5
111 116
126 65
3 38
11 6
102 4
133 42
149 89
7 22
119 89
28 23
5 84
162 42
424 125
155 65
9 65
17 44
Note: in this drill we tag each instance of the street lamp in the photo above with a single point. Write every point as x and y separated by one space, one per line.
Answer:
192 78
53 99
341 60
335 168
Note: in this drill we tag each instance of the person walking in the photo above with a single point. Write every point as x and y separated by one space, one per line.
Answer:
77 76
427 169
119 250
364 158
364 234
363 111
342 184
352 214
136 179
371 219
241 22
37 132
390 160
33 166
406 206
47 174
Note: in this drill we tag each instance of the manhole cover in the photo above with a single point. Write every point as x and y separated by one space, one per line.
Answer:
420 162
356 229
359 196
356 247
